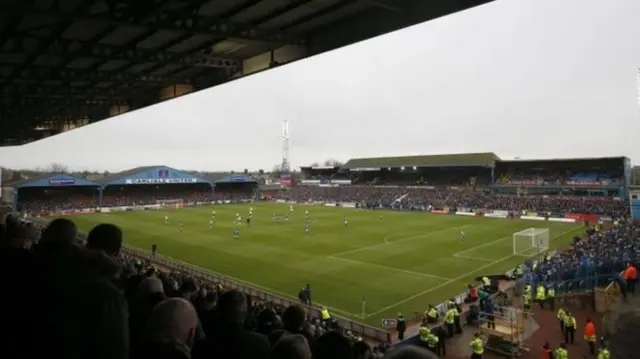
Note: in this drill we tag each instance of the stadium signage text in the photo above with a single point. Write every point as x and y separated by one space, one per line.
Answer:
365 169
62 182
160 180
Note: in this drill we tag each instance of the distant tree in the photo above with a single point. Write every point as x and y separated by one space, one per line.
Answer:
58 168
246 171
315 164
277 170
261 172
106 173
332 162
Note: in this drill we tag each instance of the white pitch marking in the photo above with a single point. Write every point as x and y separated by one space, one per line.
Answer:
386 242
431 276
418 295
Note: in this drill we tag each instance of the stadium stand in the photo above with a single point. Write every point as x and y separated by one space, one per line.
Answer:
121 287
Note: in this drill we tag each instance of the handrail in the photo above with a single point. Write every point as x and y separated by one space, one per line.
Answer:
213 277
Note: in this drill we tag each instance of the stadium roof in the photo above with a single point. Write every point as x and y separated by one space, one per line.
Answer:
67 63
116 176
565 159
463 159
20 182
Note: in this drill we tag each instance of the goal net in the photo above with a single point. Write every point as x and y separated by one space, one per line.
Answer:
170 202
530 242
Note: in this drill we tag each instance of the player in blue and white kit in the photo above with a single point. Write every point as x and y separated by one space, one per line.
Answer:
462 236
345 220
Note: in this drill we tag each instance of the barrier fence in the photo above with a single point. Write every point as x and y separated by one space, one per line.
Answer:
208 276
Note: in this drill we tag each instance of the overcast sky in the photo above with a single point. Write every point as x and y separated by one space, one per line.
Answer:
526 78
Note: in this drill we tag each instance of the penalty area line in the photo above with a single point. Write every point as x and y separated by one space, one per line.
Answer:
391 269
442 285
386 241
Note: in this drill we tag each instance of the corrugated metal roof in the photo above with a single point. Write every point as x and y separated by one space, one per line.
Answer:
462 159
120 175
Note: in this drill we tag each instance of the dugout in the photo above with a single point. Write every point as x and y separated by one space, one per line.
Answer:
236 187
54 193
154 185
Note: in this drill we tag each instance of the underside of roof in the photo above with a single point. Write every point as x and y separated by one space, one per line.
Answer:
68 63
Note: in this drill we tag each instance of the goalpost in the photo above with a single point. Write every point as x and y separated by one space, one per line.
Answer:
530 242
171 203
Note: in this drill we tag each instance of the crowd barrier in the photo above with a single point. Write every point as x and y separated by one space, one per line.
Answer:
207 276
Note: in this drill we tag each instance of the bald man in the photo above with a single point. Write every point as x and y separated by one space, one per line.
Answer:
171 330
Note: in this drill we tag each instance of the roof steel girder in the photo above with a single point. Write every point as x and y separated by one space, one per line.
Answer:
71 102
63 47
191 23
82 75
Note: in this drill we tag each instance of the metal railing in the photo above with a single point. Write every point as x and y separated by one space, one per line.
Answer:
211 277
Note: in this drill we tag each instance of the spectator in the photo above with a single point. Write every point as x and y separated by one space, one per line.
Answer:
361 350
332 345
150 293
105 237
97 325
17 264
276 335
294 320
229 339
171 330
268 321
59 234
291 347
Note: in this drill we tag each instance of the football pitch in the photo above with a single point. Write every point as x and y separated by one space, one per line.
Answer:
396 261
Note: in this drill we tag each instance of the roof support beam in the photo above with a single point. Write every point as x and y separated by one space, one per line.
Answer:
190 23
71 48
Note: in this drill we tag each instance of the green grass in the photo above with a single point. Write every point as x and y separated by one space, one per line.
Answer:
400 262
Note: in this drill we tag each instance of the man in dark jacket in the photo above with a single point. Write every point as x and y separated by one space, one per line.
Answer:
171 331
21 296
229 339
82 314
401 326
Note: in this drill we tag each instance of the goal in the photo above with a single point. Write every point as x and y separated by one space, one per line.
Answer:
530 242
170 202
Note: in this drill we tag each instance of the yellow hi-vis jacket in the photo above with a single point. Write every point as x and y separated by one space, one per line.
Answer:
325 314
432 313
450 316
477 346
561 314
540 293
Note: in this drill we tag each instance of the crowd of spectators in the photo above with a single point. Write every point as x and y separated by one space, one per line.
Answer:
422 198
71 298
604 252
